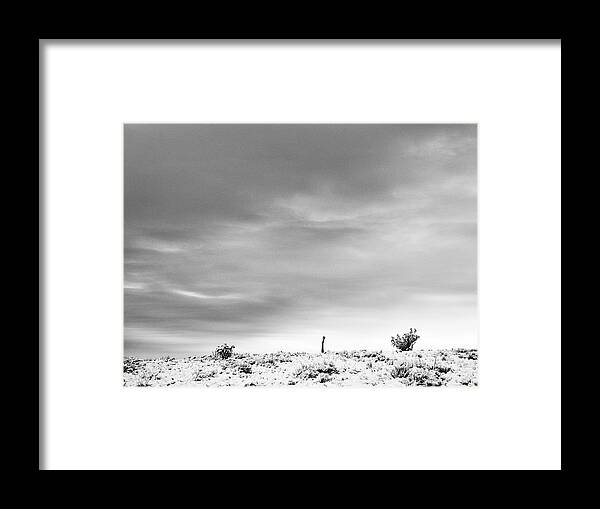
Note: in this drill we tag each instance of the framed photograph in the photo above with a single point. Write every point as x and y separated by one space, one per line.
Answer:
274 255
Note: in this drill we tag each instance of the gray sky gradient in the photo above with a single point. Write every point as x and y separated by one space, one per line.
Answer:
270 236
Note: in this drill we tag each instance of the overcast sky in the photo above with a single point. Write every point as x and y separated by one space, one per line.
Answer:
271 236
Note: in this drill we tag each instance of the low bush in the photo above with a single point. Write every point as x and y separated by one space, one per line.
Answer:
147 379
420 373
401 370
223 351
443 369
203 375
406 341
131 365
245 368
424 376
316 369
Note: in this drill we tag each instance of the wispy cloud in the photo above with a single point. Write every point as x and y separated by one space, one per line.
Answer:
198 295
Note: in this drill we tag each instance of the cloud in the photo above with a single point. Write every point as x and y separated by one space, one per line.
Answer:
198 295
263 231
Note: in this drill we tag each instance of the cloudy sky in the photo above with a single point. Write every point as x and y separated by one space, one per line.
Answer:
271 236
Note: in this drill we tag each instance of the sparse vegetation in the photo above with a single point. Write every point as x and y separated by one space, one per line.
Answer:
401 371
130 365
245 368
358 367
316 370
147 379
421 372
201 375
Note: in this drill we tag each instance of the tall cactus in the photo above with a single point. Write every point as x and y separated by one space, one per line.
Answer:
323 345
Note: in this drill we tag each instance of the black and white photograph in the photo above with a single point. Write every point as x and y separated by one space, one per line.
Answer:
280 254
300 255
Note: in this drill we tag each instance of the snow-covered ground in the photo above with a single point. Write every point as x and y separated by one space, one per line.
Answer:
346 368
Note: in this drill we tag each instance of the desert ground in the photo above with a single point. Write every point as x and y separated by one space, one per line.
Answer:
431 368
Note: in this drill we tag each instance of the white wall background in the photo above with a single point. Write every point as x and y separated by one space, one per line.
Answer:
512 420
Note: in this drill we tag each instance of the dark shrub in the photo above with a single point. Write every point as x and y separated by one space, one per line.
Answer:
407 340
223 351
